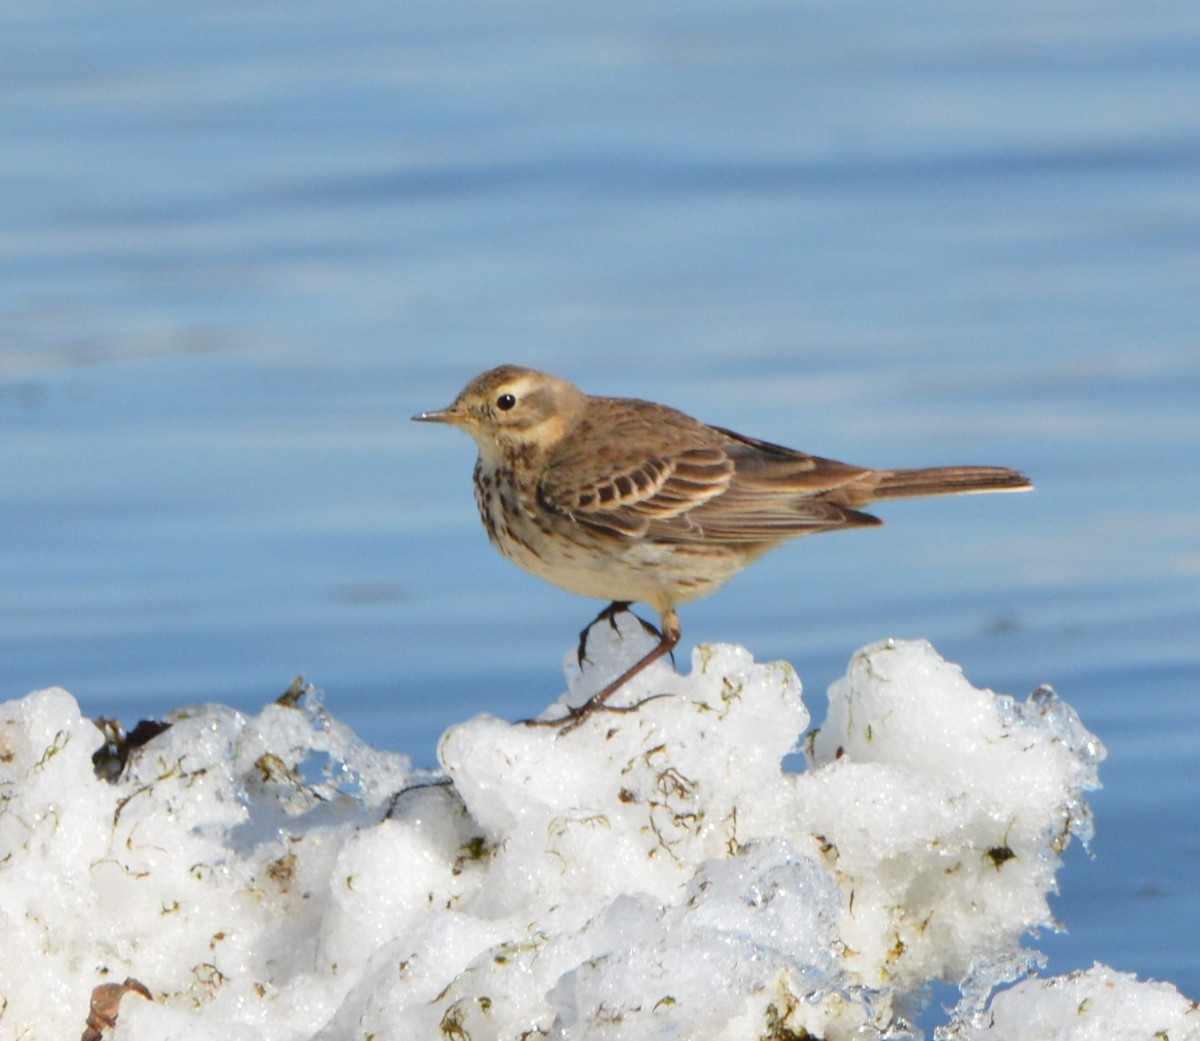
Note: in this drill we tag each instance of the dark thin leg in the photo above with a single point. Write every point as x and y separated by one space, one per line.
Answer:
609 614
596 703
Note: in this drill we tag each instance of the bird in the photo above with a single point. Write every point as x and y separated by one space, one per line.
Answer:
631 501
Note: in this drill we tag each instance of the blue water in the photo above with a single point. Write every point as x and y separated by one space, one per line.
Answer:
240 244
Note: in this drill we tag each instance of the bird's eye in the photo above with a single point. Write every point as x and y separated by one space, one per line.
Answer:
505 401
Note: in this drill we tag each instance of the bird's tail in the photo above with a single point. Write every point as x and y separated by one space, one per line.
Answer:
948 480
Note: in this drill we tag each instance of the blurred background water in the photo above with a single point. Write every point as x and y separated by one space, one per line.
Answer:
240 244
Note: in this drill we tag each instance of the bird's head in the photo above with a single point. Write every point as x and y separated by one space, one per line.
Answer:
513 409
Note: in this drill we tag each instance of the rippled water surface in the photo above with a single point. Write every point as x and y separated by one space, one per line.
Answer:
240 244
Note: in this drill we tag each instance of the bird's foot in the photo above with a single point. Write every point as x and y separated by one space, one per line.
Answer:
576 717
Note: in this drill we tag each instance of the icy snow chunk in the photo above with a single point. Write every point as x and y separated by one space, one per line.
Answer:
641 797
199 872
1100 1004
945 810
750 948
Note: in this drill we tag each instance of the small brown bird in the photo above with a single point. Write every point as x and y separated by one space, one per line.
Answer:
627 500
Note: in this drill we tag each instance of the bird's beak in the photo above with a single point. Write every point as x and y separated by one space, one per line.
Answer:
442 415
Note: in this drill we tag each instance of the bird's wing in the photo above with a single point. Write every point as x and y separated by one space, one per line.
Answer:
701 484
632 496
779 493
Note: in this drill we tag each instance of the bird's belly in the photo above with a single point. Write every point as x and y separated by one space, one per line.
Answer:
582 560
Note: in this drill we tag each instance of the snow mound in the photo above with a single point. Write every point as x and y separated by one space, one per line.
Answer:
650 874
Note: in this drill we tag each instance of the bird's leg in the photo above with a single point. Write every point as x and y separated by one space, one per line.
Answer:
609 614
668 638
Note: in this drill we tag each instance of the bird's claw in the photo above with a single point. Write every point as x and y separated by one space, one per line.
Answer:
609 614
